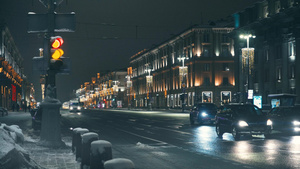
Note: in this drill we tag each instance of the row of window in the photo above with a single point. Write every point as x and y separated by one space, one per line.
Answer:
174 100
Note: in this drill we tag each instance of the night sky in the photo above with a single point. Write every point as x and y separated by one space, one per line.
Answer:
109 32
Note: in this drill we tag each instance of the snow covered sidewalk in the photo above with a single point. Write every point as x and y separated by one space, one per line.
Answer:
49 158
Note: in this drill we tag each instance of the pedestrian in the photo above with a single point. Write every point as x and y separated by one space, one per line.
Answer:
25 108
13 107
17 107
29 108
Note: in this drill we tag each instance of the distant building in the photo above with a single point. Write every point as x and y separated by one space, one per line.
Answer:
10 70
104 91
276 26
208 76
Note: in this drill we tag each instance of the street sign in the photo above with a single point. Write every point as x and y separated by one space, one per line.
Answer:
250 94
257 101
38 23
40 65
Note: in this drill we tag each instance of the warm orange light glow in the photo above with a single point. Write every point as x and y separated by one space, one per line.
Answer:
198 53
217 82
57 43
57 54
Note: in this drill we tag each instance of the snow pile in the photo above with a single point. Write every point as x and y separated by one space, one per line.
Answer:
99 146
12 155
119 163
88 136
145 146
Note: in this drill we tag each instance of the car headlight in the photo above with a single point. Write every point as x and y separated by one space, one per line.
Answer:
296 123
78 108
243 124
203 114
71 108
269 122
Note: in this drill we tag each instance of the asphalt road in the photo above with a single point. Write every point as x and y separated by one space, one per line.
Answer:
166 140
157 139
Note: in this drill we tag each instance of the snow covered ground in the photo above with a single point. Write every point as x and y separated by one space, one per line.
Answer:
12 155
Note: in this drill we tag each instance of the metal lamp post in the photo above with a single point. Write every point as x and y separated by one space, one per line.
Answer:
183 70
149 81
249 52
115 88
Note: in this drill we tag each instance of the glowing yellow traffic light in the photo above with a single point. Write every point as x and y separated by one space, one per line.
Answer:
56 43
57 54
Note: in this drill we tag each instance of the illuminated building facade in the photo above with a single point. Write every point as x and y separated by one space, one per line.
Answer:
276 26
10 70
105 91
208 54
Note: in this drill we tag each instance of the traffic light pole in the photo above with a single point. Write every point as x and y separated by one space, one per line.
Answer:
50 128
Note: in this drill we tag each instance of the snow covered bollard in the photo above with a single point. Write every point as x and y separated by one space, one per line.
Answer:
100 152
73 138
87 139
119 163
77 142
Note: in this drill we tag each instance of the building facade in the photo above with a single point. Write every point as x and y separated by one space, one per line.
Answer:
276 26
10 70
105 91
194 66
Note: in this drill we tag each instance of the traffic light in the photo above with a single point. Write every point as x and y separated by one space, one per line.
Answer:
56 52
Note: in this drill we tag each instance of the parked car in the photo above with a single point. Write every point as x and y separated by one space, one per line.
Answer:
36 118
3 111
203 112
242 119
285 119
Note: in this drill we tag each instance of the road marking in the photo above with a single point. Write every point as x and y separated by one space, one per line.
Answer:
158 141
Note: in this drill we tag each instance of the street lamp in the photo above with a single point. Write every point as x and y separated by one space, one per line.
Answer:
183 70
248 60
115 88
149 81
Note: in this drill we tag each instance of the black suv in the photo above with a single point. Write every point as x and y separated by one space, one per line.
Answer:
203 112
285 119
242 119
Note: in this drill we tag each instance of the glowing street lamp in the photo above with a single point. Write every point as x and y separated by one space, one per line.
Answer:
248 56
149 81
183 70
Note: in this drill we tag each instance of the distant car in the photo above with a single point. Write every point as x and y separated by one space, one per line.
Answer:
36 118
203 112
242 119
74 107
285 119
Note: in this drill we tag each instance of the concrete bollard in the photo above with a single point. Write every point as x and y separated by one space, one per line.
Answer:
100 152
119 163
87 139
73 138
77 142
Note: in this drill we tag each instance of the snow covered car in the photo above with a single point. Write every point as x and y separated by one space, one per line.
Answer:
203 112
